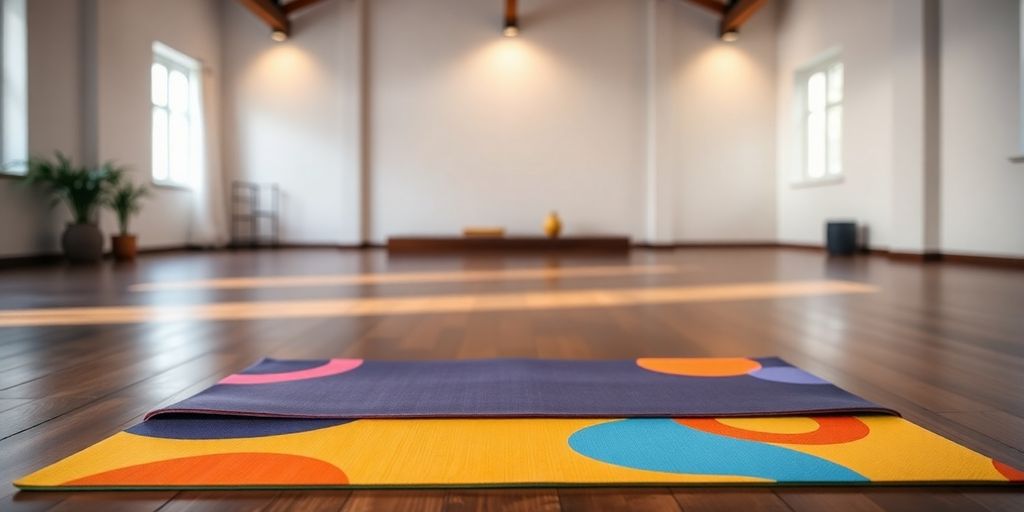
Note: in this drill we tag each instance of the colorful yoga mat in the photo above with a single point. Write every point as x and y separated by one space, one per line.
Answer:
177 450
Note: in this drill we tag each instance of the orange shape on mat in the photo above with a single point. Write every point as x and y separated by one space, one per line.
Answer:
1011 473
700 367
831 430
221 469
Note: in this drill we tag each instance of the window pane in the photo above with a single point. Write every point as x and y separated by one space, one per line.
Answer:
835 83
159 144
14 89
179 146
815 144
835 136
816 92
158 76
178 90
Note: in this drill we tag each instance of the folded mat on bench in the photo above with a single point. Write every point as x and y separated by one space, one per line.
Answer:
505 388
265 442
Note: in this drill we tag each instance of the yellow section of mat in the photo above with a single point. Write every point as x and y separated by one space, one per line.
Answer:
518 452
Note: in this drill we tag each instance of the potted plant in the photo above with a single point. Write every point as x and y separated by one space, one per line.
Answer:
83 190
125 200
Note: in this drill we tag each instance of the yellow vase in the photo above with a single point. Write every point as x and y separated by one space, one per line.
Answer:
552 225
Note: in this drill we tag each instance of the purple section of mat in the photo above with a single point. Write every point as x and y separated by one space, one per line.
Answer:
227 427
501 388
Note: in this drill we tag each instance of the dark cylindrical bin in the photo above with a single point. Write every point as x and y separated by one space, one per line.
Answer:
841 238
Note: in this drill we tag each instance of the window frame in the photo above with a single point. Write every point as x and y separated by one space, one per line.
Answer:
174 60
12 163
821 64
1019 157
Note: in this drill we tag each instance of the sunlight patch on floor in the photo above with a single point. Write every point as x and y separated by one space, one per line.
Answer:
428 304
455 276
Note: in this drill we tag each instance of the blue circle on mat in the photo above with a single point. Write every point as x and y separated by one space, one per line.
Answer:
227 427
658 444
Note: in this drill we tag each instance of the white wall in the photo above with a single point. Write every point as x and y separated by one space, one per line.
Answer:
982 199
30 226
932 116
915 127
861 29
125 31
90 99
466 127
724 111
470 128
624 116
292 117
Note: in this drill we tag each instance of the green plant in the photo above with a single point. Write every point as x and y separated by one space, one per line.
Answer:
126 200
80 188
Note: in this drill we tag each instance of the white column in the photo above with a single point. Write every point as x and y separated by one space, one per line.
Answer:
658 177
915 127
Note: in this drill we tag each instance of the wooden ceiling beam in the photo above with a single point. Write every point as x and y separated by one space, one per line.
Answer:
737 13
511 13
295 5
271 13
511 26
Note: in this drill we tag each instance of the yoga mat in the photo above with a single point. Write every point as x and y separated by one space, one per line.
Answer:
264 443
257 453
521 388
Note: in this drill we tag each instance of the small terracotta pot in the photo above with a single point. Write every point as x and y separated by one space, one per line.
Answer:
124 247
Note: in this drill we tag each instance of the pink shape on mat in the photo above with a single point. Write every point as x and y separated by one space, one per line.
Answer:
333 367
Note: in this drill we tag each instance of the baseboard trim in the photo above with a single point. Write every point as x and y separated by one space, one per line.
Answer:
706 245
162 249
287 246
799 246
973 259
910 257
30 261
926 257
914 256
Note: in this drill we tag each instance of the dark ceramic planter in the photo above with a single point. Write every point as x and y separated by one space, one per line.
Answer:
82 243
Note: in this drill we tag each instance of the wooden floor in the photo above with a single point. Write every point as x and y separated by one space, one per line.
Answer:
942 343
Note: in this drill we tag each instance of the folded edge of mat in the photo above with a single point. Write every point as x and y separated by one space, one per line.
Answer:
523 388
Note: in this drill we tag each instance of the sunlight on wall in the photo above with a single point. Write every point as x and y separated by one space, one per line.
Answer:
282 74
722 71
522 301
511 70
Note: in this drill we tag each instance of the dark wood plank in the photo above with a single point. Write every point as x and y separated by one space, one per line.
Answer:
719 500
817 500
408 501
611 500
511 500
114 501
220 501
308 501
935 500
